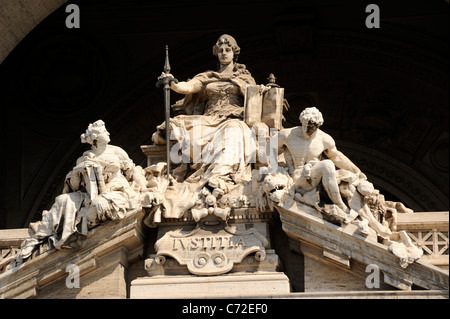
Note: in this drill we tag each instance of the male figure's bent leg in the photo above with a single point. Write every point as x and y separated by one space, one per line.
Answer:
327 171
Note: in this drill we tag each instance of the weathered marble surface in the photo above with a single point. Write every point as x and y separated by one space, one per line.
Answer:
229 152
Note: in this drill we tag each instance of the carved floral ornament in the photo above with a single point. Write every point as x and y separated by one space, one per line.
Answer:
227 152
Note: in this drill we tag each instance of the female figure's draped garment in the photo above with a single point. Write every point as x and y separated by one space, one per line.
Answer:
212 137
220 95
66 224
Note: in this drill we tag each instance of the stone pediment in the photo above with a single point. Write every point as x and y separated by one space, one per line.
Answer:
116 244
344 247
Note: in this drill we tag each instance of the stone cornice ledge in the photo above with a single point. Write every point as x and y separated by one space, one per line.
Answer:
25 280
302 226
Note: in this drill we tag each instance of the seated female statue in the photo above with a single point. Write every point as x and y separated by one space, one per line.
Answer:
213 106
217 145
104 184
214 95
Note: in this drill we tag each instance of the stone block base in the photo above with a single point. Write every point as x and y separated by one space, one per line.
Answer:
235 285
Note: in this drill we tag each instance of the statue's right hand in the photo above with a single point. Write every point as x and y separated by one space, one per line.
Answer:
165 75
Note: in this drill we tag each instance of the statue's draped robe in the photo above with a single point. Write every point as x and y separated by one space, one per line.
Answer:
212 137
66 224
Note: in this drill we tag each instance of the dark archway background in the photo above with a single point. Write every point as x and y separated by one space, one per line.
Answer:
383 92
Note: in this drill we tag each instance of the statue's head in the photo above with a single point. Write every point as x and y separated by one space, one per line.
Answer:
227 40
96 133
312 115
311 119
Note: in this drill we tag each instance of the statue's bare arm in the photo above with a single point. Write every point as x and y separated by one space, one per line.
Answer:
187 87
338 158
282 140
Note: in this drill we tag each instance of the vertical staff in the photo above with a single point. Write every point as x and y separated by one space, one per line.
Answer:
164 80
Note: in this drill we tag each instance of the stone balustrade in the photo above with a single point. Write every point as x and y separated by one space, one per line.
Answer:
428 231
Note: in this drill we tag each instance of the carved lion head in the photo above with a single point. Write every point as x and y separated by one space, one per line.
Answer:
279 188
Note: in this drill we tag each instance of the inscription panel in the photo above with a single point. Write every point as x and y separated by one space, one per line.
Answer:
211 252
